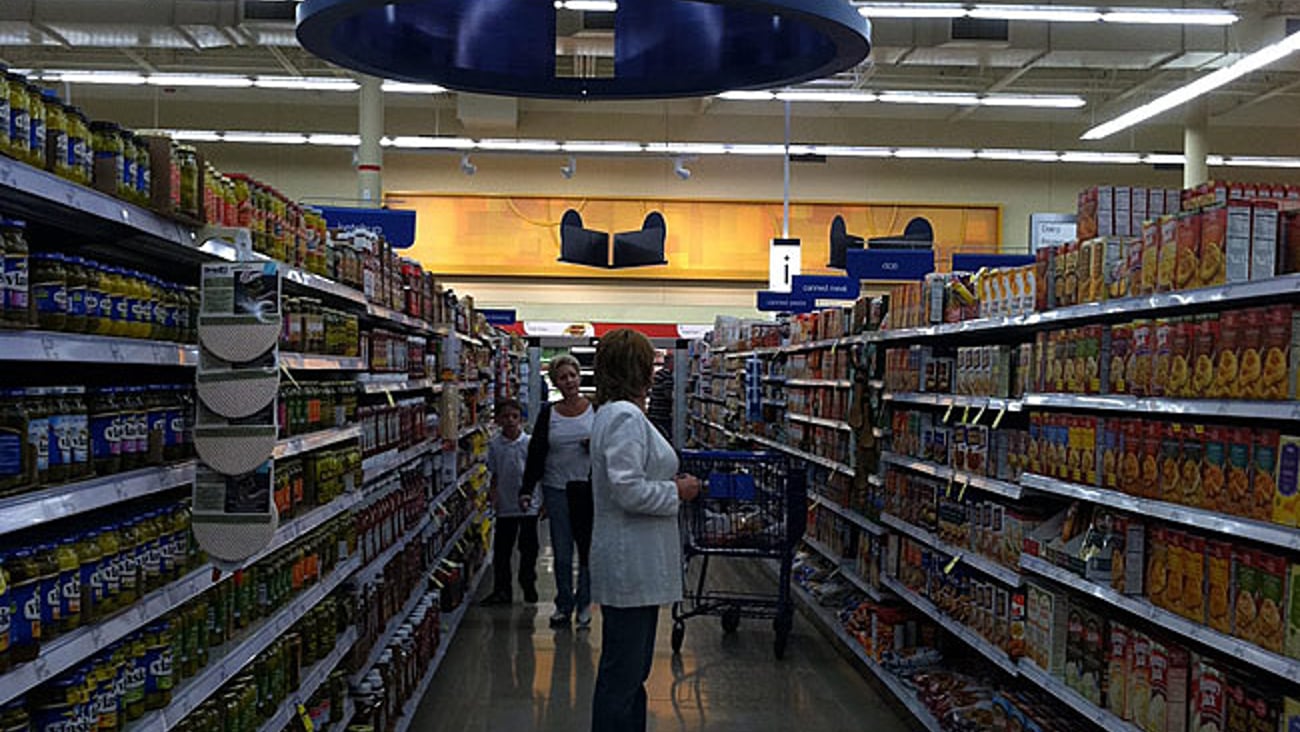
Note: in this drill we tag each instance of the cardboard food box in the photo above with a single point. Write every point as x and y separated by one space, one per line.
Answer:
1138 372
1133 249
1227 356
1137 701
1139 211
1290 715
1213 258
1250 357
1244 581
1121 348
1292 640
1175 576
1105 211
1163 353
1219 587
1263 239
1123 211
1274 353
1286 503
1157 717
1148 482
1087 213
1150 268
1271 597
1190 465
1193 602
1209 697
1239 442
1178 683
1263 474
1180 358
1169 253
1214 468
1205 341
1171 456
1236 246
1187 263
1293 381
1119 663
1157 574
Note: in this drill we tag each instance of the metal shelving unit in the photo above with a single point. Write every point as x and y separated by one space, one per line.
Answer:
829 383
1240 650
834 424
1057 688
796 452
955 400
376 466
969 557
843 569
847 514
41 346
1211 521
29 510
311 681
314 362
994 654
1288 411
943 472
292 446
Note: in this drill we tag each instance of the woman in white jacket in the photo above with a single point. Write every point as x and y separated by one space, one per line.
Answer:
636 554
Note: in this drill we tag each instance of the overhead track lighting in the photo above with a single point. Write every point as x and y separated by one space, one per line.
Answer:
569 168
682 153
1204 85
590 6
212 81
960 99
1048 13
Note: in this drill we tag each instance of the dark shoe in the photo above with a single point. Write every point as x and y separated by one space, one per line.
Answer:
530 594
496 598
560 620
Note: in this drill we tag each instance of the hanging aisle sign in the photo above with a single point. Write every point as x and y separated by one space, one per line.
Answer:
783 264
784 302
827 287
890 264
499 317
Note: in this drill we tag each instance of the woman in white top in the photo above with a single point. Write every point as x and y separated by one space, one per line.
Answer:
559 457
636 558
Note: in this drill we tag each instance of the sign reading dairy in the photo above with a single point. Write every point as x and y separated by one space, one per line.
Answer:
784 302
826 287
783 264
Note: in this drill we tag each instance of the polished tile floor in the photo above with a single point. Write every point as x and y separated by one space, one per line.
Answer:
508 671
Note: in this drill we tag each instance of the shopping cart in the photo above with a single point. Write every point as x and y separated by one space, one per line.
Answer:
752 505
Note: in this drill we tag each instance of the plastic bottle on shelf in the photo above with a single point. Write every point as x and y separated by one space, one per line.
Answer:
110 569
25 603
51 608
91 581
69 584
38 433
78 282
130 572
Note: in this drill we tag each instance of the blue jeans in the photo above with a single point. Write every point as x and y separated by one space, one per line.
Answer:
627 651
564 537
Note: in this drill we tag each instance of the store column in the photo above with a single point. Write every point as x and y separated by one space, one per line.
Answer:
370 156
1195 170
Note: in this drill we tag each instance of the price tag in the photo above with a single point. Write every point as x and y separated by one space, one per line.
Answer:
389 393
948 414
948 492
965 415
998 420
961 496
50 347
979 414
952 564
115 352
285 368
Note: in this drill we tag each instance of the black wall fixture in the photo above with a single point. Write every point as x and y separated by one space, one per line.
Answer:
841 242
590 248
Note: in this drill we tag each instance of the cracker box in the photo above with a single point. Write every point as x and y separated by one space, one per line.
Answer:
1157 719
1250 356
1139 212
1270 597
1171 456
1286 502
1167 264
1157 565
1134 570
1115 269
1187 258
1205 340
1218 586
1133 250
1209 697
1292 640
1137 701
1162 358
1237 242
1105 211
1214 468
1123 211
1173 201
1263 474
1150 268
1193 600
1214 229
1227 356
1087 213
1263 240
1148 481
1138 372
1178 683
1244 581
1119 660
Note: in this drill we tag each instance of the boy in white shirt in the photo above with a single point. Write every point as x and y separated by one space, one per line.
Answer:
516 511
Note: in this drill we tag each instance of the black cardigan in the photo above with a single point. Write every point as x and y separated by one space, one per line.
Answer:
539 446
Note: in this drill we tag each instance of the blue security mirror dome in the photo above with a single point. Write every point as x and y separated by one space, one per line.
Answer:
662 48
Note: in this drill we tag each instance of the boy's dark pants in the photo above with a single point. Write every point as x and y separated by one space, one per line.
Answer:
510 528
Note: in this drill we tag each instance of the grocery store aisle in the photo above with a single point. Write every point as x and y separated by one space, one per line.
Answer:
507 671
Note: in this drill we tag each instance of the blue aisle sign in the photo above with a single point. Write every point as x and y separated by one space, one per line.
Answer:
827 287
784 302
499 317
398 225
890 264
976 262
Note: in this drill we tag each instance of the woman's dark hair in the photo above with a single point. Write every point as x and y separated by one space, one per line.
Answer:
625 362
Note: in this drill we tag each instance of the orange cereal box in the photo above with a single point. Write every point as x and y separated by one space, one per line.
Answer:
1187 261
1214 231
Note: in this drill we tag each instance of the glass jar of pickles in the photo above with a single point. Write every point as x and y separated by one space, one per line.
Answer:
187 159
56 136
19 130
80 146
109 150
4 110
36 126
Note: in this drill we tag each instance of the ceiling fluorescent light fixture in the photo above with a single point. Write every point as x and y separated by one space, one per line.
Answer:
333 140
922 97
765 149
832 97
850 151
1255 161
519 145
1112 158
590 6
1163 159
1023 156
742 95
602 146
269 138
1042 13
116 78
417 142
934 153
402 87
1044 101
1170 16
306 83
210 81
911 10
193 135
1204 85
